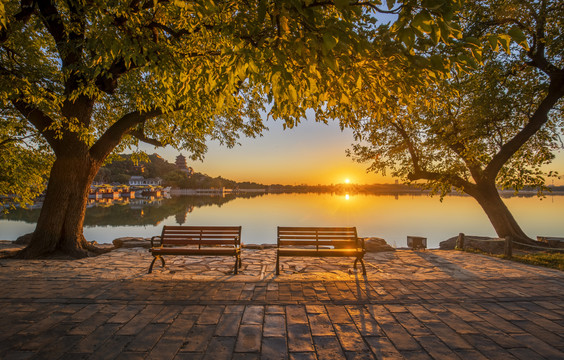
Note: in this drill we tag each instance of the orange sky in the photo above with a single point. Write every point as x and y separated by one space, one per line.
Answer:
311 153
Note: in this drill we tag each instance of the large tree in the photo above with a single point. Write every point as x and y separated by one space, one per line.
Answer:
496 126
92 77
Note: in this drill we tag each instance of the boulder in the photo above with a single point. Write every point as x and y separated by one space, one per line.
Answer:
482 243
374 244
24 239
131 242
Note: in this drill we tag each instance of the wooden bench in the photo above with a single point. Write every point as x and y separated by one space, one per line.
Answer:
320 241
197 240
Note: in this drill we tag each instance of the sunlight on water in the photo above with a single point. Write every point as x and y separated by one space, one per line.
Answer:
387 216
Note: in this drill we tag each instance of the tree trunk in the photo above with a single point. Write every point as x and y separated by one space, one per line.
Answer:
59 227
500 217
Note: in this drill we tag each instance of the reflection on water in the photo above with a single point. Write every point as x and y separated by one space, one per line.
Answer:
392 217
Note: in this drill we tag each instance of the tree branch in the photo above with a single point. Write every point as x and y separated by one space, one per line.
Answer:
539 118
113 135
39 120
140 135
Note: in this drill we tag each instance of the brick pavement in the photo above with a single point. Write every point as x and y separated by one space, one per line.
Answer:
413 305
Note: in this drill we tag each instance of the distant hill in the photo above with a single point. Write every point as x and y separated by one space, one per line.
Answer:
120 170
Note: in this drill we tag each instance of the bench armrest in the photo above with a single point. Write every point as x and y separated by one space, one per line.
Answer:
153 239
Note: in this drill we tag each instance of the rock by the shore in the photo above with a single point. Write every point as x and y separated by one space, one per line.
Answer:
131 242
490 245
24 239
374 244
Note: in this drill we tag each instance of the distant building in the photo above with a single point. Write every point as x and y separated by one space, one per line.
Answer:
140 181
181 164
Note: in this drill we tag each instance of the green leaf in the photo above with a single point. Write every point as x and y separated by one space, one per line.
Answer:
390 4
407 37
518 36
423 22
329 41
505 41
494 44
341 4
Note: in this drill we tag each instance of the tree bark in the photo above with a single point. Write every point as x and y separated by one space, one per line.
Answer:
500 217
59 227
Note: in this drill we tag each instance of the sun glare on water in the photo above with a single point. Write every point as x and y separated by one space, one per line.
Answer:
347 181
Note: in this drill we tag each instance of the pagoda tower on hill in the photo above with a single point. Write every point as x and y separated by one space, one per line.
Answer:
181 162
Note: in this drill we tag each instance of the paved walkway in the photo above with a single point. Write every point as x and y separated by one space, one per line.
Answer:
414 305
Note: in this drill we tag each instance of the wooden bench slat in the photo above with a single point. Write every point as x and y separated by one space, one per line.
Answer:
198 242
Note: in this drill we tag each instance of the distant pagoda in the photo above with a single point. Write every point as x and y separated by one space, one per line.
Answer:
181 162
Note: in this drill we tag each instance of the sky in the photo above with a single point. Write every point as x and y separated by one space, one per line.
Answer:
311 153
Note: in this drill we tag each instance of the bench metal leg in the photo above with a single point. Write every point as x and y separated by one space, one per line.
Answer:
361 263
237 260
153 263
277 264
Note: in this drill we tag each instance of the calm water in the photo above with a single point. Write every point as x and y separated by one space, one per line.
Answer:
387 216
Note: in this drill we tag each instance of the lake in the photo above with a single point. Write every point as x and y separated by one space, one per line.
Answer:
392 217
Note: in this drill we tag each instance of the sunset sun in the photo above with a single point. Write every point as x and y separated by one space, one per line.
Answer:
347 181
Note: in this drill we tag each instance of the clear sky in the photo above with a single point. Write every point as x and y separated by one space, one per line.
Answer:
311 153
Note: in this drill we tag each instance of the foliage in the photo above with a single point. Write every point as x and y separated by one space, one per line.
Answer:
499 123
24 164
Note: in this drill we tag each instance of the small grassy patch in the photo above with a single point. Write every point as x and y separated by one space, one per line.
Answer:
550 260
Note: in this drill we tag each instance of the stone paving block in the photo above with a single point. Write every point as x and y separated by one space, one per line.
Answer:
435 347
56 349
295 314
140 320
210 315
338 314
167 314
299 338
111 348
364 321
254 314
220 347
470 355
412 324
198 338
539 346
274 325
274 348
350 355
131 356
328 347
487 346
147 337
320 324
18 355
448 336
382 348
525 354
95 339
303 356
245 356
125 314
350 338
229 324
249 339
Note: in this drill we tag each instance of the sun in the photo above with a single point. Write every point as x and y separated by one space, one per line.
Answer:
347 181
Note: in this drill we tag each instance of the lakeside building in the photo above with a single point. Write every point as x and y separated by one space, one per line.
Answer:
141 181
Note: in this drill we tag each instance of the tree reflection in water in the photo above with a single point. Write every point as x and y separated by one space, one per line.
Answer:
137 211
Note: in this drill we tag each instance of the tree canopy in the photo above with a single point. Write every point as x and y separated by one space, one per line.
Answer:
495 121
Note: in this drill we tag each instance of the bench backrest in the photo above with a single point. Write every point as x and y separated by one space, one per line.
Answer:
338 237
201 235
